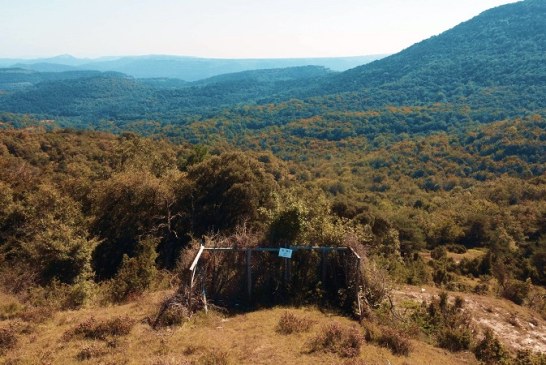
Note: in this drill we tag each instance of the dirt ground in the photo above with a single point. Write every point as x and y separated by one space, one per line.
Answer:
517 327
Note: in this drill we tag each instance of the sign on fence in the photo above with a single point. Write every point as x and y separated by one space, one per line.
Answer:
285 252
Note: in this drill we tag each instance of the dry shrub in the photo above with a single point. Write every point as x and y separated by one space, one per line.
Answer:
394 341
387 337
36 314
336 338
372 332
526 357
101 330
290 323
8 339
376 284
214 357
173 315
10 308
90 352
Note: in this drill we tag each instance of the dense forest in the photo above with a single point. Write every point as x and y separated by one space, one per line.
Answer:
96 197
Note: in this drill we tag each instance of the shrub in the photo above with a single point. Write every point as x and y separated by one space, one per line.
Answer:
516 291
8 340
394 341
336 338
375 283
136 274
441 276
173 315
454 339
439 253
482 288
525 357
214 357
448 323
291 323
489 350
90 352
101 330
372 332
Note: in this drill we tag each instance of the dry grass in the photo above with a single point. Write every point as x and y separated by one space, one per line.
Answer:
243 339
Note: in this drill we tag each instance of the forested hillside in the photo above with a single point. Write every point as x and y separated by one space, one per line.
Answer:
487 69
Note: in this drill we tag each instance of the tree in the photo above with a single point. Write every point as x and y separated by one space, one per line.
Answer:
228 190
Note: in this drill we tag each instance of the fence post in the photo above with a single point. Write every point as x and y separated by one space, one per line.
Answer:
249 274
323 267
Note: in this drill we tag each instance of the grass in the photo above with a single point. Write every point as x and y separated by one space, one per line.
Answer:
250 338
470 254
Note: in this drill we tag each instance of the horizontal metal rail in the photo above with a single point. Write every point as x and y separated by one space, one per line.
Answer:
275 249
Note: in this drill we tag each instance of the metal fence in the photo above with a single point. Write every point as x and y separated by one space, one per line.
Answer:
244 278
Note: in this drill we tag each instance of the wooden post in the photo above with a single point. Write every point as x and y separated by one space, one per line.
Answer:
249 274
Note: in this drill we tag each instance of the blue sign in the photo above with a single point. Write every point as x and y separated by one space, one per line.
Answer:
285 252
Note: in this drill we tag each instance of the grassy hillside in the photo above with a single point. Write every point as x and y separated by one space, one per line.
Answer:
121 334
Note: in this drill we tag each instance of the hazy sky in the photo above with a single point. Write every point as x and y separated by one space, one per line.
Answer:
225 28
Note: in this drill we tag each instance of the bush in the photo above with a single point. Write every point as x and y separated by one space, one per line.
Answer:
101 330
136 274
290 323
439 253
394 341
525 357
11 308
454 339
173 315
482 289
516 291
90 352
372 332
336 338
448 323
489 350
8 340
214 357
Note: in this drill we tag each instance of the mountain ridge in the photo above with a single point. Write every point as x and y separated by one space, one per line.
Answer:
182 67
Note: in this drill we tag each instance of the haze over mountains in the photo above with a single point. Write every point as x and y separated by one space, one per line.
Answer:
184 68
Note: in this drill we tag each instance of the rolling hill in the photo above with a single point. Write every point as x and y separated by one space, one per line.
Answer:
499 54
486 69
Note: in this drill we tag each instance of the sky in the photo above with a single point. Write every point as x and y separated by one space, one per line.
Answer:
225 28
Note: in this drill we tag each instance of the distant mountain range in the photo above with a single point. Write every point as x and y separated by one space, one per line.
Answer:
183 68
486 69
